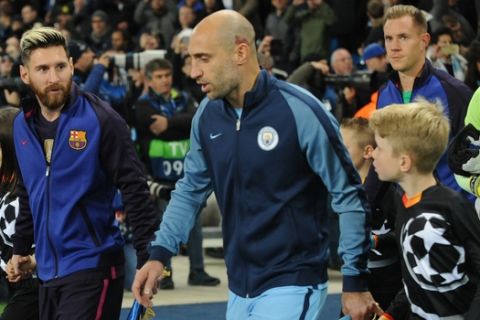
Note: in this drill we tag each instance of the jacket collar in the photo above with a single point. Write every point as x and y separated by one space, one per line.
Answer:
420 79
29 104
260 89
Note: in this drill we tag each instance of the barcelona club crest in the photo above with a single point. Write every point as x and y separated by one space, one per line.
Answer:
78 139
267 138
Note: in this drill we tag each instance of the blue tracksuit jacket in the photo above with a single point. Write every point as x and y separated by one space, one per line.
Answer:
434 85
66 207
272 171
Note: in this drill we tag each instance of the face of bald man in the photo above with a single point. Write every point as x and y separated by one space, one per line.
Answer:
213 65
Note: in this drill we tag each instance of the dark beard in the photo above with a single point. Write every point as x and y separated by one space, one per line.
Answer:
53 103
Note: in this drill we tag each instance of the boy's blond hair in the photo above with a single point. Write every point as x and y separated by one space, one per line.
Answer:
401 10
364 135
419 129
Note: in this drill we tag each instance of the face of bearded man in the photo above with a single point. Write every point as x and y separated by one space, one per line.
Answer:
54 96
49 73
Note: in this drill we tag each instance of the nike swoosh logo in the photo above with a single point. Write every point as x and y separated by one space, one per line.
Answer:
215 136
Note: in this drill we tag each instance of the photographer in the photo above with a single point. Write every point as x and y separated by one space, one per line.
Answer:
90 75
342 91
163 120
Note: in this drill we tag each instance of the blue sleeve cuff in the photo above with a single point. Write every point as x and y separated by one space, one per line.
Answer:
161 254
355 283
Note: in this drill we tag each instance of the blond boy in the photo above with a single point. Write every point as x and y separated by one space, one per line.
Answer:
437 230
359 140
384 281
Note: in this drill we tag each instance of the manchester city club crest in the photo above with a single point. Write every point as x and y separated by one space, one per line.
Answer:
78 139
267 138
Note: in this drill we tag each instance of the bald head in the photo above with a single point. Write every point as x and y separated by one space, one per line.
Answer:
224 59
228 28
341 61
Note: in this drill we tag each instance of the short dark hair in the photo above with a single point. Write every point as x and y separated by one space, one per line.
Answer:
157 64
42 37
440 32
8 166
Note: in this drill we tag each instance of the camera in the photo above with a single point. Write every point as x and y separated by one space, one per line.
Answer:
450 49
359 80
136 60
12 84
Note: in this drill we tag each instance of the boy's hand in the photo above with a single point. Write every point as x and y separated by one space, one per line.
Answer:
20 267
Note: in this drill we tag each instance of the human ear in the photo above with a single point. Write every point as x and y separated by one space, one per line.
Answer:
368 151
24 74
406 162
242 53
426 39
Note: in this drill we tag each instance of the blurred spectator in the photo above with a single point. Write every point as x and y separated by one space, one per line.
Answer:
17 26
472 78
81 17
6 65
30 17
120 13
312 17
443 15
271 53
61 7
12 48
120 41
444 54
198 9
157 18
163 119
250 10
148 41
350 95
213 5
99 38
349 29
9 94
276 26
6 13
375 58
92 76
186 19
375 11
187 83
63 21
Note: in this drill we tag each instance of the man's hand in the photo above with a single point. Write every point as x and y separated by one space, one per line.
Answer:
349 93
146 280
321 65
159 125
12 97
360 305
20 267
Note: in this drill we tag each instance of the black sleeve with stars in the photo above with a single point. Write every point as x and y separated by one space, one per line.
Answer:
439 238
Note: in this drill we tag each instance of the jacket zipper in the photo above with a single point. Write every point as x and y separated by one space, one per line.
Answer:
237 127
50 242
48 172
238 124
